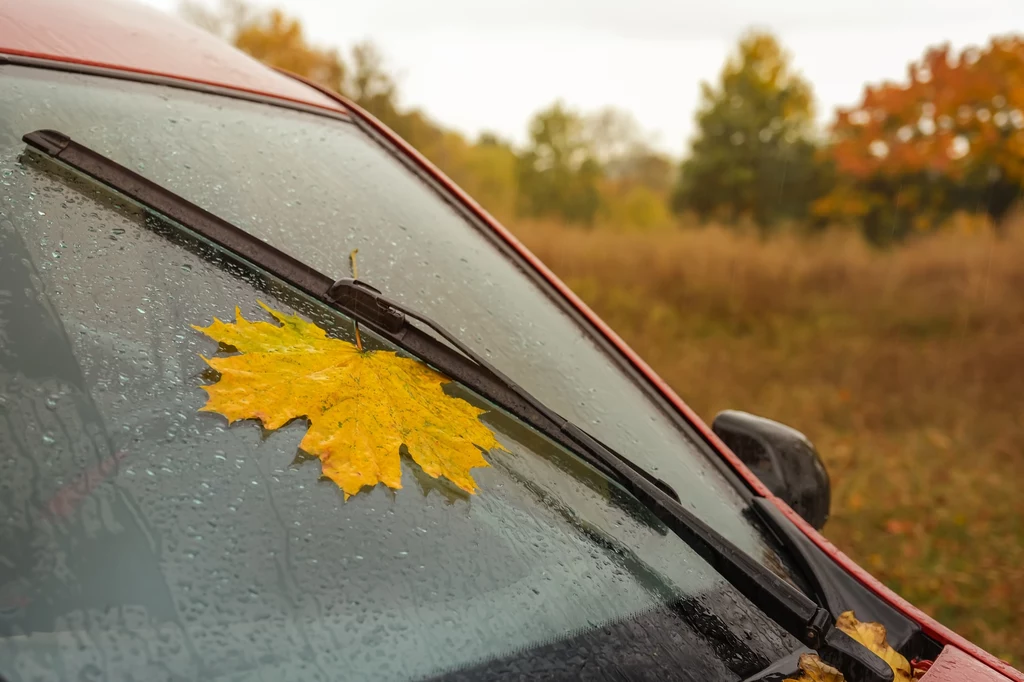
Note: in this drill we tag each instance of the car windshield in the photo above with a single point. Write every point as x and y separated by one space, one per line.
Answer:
143 539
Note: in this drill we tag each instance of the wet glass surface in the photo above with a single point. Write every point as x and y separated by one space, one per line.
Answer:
142 539
318 188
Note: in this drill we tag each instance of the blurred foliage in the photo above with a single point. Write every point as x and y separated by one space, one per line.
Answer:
278 41
272 37
911 157
595 169
753 153
558 172
950 139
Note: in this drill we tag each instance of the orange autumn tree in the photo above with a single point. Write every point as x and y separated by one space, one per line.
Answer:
950 139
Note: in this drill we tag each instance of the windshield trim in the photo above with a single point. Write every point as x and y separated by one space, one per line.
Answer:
49 64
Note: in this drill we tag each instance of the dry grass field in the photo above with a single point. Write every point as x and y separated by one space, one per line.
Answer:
905 367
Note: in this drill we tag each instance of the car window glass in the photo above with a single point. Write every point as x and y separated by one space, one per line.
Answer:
143 539
318 188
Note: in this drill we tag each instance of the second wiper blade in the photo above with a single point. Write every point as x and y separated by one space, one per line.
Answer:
809 623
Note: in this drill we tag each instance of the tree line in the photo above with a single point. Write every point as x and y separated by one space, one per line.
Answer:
908 157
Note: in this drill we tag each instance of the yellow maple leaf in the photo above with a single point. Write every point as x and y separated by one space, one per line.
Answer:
362 406
872 636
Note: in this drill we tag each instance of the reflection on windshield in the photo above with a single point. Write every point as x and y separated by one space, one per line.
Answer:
59 531
151 541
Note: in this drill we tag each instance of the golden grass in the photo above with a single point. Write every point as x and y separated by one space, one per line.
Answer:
905 367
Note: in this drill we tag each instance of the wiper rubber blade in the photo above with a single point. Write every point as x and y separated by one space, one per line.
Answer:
796 613
385 316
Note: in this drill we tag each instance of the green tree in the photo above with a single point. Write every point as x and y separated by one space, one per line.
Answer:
490 175
753 153
557 173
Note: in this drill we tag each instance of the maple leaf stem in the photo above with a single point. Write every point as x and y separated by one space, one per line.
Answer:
355 275
359 341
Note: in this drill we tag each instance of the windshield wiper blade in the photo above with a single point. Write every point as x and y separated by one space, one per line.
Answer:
388 318
794 611
809 623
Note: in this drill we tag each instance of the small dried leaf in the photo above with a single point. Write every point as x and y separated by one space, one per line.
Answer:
872 635
362 406
813 669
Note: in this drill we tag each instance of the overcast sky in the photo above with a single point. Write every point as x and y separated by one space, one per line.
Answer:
489 64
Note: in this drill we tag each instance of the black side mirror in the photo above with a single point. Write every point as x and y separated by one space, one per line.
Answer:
782 458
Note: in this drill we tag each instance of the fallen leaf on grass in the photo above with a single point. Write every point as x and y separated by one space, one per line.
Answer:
362 406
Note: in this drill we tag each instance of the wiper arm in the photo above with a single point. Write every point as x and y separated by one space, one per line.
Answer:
809 623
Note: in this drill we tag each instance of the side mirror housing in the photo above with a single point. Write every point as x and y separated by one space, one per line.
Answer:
782 458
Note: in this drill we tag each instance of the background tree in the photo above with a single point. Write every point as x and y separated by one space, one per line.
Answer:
490 175
636 180
624 151
950 138
753 153
576 168
278 40
271 37
371 86
557 172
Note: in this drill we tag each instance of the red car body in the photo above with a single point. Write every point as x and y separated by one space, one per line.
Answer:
133 41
